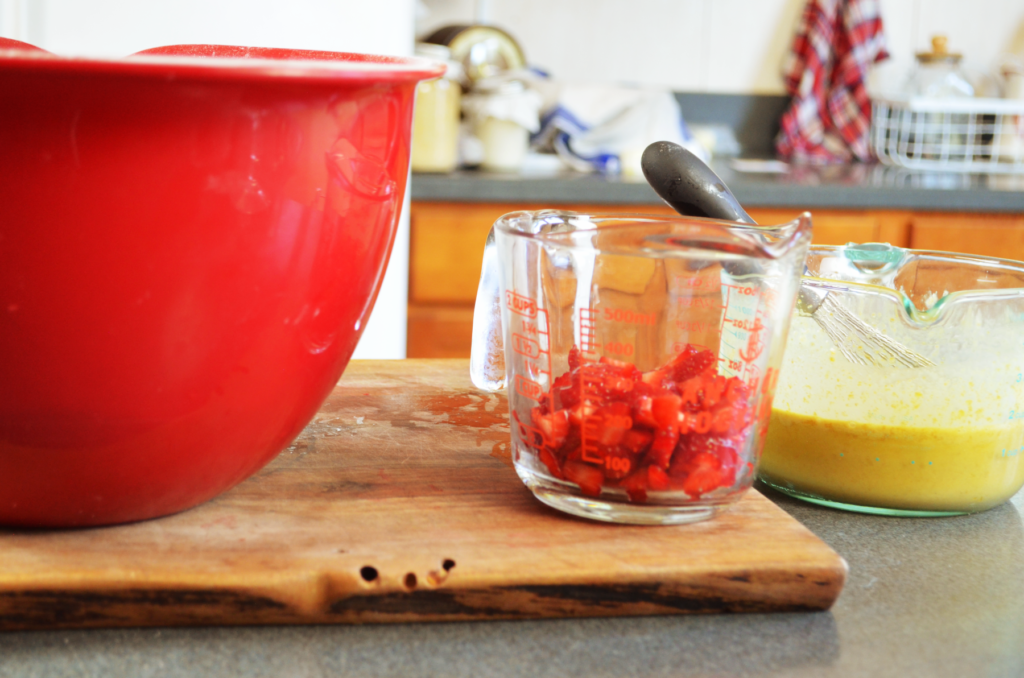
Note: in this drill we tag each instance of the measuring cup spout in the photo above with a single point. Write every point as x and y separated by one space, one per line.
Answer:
487 355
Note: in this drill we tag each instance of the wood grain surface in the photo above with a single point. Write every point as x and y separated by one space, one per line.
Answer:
398 503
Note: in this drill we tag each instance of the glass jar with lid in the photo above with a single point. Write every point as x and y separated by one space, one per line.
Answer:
436 117
938 73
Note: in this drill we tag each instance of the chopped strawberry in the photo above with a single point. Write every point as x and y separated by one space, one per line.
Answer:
636 441
705 474
643 411
701 481
657 479
635 486
549 460
554 427
681 426
609 424
665 410
574 358
589 478
565 392
662 447
691 362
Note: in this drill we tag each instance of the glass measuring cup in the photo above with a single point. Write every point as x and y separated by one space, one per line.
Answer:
879 437
640 355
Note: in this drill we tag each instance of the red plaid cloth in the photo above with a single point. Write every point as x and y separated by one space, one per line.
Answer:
830 116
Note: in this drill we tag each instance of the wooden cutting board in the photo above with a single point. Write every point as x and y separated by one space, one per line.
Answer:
399 503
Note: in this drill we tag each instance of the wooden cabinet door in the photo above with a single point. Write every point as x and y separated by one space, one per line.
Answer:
439 331
840 227
447 244
991 235
446 248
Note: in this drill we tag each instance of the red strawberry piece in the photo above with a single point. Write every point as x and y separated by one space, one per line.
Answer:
701 481
657 479
736 391
692 392
643 411
549 460
665 410
574 358
553 426
635 486
609 424
730 462
618 387
589 478
693 364
714 389
662 447
640 389
636 441
565 392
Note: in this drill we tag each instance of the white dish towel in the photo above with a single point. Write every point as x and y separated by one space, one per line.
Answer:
602 128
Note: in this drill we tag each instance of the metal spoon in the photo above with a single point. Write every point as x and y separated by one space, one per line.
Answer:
693 189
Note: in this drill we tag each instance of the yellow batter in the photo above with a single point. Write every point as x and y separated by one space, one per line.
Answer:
927 439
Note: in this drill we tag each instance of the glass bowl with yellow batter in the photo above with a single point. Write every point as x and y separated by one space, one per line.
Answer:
943 438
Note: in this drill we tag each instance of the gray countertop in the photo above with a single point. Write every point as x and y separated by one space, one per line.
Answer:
841 187
925 597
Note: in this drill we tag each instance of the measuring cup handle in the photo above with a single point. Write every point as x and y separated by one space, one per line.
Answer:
487 355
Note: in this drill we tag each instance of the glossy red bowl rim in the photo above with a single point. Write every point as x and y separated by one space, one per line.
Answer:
227 62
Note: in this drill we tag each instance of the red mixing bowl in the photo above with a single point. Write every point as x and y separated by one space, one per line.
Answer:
191 240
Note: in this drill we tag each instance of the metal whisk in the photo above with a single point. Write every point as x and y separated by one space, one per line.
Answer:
859 342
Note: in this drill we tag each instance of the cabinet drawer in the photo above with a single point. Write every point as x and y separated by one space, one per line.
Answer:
830 227
446 248
439 331
447 244
991 235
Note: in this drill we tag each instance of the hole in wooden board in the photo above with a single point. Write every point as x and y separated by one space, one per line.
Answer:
369 573
410 581
435 577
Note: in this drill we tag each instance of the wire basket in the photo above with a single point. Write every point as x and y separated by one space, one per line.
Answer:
955 135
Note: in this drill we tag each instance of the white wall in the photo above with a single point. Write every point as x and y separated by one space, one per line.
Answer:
120 27
720 45
112 28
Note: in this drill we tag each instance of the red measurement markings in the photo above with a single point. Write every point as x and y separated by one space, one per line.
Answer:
532 342
696 282
529 388
590 427
680 346
692 325
619 348
524 306
748 325
622 315
699 302
532 436
754 347
526 346
588 331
